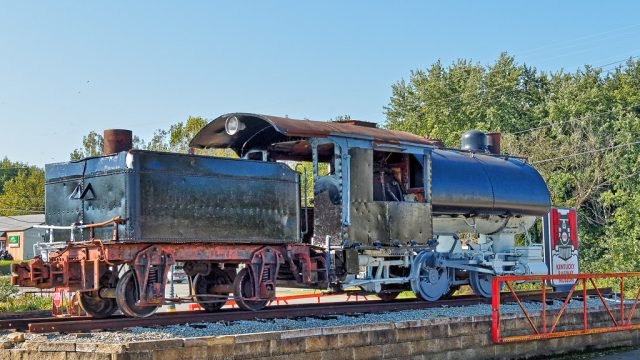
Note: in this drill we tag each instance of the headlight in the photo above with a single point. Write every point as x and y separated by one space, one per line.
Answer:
233 125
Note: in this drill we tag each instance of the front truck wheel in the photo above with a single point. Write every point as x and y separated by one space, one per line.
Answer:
128 293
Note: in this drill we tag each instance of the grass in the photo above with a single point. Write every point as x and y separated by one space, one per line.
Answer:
9 262
11 300
5 266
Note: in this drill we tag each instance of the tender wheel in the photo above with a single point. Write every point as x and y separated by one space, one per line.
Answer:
127 294
96 306
204 284
428 281
481 283
93 304
243 290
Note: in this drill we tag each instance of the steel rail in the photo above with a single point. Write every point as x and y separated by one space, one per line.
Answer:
85 323
81 324
282 312
17 322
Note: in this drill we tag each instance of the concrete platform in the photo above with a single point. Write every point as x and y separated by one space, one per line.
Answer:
442 338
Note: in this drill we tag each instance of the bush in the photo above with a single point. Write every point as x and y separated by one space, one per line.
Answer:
11 300
7 291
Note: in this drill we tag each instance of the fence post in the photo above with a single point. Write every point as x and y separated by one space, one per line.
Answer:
584 303
495 310
622 317
544 307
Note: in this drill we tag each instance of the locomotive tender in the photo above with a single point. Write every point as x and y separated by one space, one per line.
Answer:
388 208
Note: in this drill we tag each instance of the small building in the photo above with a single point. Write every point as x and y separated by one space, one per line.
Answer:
18 235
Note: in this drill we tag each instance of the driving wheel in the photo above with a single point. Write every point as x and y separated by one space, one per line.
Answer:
428 281
481 283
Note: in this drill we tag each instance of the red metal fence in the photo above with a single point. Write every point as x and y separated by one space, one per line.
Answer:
620 319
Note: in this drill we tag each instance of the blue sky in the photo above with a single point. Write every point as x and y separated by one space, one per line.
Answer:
70 67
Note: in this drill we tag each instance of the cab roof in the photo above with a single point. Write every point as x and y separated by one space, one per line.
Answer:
261 131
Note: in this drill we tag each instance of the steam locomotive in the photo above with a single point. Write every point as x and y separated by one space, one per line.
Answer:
387 213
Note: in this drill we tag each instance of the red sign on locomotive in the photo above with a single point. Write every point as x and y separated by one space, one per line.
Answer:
561 244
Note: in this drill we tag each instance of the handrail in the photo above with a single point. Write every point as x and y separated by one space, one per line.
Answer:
77 226
306 201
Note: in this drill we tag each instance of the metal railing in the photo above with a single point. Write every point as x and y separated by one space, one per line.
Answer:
43 249
621 319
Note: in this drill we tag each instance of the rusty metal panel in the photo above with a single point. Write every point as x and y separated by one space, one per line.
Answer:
368 219
351 261
327 220
409 221
369 223
361 175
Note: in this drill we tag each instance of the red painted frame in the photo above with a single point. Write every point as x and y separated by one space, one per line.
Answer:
619 324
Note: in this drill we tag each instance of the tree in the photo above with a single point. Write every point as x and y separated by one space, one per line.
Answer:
9 170
181 133
24 193
91 146
342 118
442 103
552 119
158 142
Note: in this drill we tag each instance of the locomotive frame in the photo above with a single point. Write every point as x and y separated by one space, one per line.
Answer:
375 224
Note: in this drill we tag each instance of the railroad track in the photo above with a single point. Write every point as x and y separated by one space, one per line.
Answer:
118 322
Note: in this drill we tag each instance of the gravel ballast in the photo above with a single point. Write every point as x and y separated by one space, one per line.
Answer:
255 326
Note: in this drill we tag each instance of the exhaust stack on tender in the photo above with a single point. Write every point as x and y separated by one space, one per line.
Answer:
117 140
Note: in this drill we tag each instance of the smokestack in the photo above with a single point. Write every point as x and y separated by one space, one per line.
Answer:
117 140
493 142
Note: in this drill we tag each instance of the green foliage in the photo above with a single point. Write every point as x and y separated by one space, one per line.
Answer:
442 103
9 170
181 134
5 266
7 291
544 116
175 139
23 193
11 300
91 146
